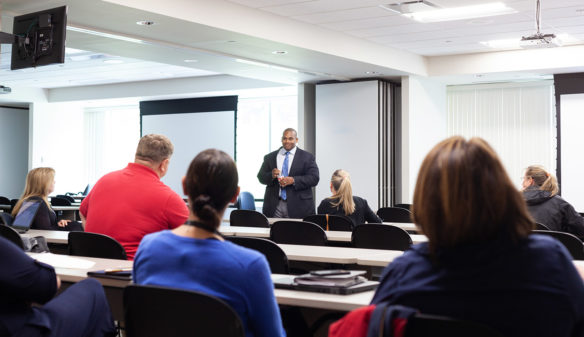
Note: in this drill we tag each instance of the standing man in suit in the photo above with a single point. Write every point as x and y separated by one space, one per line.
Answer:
289 174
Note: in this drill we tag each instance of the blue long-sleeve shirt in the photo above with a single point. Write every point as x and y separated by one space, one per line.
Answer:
239 276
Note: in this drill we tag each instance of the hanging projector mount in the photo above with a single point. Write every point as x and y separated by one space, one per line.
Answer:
539 40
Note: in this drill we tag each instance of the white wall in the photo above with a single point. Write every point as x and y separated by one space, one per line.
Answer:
424 123
14 154
58 141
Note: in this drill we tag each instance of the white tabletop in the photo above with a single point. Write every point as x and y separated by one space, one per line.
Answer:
65 208
61 237
340 255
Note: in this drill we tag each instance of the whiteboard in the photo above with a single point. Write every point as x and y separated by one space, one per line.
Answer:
191 133
572 143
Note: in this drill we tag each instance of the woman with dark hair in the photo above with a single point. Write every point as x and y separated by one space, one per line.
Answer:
480 262
194 256
343 202
540 190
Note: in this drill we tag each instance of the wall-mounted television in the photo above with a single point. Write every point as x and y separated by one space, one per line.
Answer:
39 38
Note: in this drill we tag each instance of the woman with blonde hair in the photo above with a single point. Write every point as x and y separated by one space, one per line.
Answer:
481 262
343 202
40 182
540 190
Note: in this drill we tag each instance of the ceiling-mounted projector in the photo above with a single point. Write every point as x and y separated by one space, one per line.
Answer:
540 41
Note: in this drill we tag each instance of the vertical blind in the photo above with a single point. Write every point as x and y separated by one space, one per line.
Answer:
517 119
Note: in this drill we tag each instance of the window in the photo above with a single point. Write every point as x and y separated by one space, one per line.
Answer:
517 119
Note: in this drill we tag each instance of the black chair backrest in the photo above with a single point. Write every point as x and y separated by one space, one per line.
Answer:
152 311
572 243
6 218
298 233
95 245
394 214
276 257
11 235
422 325
58 201
68 197
541 227
404 206
248 218
335 222
379 236
4 201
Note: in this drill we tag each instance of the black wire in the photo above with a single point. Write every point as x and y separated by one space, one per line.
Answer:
537 10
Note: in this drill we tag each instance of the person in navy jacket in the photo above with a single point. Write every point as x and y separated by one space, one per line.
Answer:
481 263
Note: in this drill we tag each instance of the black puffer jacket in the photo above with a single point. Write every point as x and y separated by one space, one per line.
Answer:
553 211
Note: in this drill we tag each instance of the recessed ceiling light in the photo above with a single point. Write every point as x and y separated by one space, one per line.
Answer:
145 23
114 61
279 52
190 61
372 73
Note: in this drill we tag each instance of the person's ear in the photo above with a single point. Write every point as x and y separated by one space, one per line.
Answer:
184 185
234 199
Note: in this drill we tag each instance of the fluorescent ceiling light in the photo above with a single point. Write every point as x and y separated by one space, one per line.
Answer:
515 43
104 34
461 13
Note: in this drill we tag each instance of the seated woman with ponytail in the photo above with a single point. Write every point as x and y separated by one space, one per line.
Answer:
540 190
343 202
194 256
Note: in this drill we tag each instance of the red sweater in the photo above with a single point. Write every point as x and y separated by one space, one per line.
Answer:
131 203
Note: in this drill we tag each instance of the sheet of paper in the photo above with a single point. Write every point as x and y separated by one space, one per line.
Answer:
64 261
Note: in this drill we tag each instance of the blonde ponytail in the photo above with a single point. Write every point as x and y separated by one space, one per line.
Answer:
543 179
341 182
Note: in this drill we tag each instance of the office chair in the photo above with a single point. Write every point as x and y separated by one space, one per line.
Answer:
6 218
95 245
394 214
246 201
11 235
541 227
276 257
4 201
570 241
153 311
248 218
335 222
380 236
68 197
298 233
58 201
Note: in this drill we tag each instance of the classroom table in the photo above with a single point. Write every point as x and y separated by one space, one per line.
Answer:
73 269
262 232
405 226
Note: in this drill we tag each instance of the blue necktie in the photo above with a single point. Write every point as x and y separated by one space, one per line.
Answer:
284 174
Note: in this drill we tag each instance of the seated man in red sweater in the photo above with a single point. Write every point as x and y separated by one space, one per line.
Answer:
133 202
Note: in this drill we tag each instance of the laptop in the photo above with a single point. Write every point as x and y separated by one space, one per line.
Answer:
287 282
25 216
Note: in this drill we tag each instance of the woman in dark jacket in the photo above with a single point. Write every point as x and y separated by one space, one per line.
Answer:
540 190
343 202
40 182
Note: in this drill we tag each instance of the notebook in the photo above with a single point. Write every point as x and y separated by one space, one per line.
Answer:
25 216
289 282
